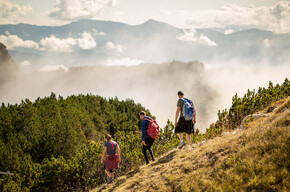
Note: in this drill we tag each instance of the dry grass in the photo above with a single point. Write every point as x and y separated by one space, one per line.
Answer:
255 159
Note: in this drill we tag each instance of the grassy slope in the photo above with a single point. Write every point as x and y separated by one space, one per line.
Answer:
254 159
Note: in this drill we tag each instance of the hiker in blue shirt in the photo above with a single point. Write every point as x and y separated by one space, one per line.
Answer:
183 125
146 139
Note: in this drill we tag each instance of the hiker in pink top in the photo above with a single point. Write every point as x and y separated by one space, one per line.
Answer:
113 158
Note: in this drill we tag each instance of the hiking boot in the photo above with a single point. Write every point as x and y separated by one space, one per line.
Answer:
188 147
182 143
110 180
153 159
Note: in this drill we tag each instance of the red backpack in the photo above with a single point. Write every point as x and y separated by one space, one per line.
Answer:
153 129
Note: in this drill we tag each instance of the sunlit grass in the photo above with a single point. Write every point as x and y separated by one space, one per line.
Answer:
255 159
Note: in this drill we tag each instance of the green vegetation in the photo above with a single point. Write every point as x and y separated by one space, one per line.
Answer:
250 103
55 144
254 159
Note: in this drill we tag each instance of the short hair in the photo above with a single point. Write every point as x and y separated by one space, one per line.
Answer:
108 137
180 93
142 113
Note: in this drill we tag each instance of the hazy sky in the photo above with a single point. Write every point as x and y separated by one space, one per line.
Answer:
267 14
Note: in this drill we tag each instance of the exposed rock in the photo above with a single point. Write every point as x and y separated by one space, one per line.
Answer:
284 109
203 142
255 116
225 133
271 109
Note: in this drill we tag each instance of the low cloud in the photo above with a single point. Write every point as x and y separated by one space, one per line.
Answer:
13 41
52 43
275 18
229 31
55 44
79 9
87 41
96 32
25 64
191 36
123 62
12 13
110 45
49 68
266 43
117 47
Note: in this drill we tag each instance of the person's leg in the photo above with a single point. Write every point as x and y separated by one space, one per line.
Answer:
151 153
145 154
112 174
188 139
179 136
108 173
182 143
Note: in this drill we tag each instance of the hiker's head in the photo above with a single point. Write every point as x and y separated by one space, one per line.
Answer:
142 114
108 137
180 94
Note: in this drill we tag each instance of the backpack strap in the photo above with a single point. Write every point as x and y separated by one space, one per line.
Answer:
113 145
148 119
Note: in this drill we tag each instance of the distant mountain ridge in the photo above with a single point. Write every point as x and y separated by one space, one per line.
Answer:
8 68
151 41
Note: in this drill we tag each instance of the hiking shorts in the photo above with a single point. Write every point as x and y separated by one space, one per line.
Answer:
184 126
111 171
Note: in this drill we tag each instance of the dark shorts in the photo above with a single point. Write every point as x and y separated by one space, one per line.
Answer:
111 171
184 126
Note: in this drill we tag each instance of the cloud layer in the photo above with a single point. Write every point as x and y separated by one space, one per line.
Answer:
79 9
117 47
123 62
191 36
51 43
13 41
11 12
276 18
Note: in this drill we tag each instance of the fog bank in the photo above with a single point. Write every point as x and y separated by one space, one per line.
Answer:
153 85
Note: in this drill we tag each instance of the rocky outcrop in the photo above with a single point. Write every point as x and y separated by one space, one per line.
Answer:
8 68
254 116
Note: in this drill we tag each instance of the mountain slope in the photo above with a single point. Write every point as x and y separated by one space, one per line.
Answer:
254 159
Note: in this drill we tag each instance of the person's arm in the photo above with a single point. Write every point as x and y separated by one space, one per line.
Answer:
143 129
119 153
104 153
194 115
176 115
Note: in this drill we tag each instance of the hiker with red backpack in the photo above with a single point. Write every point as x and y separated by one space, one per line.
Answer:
187 118
150 132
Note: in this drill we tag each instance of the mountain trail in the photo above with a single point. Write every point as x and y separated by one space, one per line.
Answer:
252 158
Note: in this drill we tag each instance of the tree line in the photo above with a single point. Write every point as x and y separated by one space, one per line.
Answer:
251 102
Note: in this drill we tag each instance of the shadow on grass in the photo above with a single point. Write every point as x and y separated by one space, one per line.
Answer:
165 159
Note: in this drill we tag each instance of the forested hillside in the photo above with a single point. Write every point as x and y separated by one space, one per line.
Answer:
55 144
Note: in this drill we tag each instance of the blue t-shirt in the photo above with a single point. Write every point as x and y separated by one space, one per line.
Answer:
144 127
110 149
